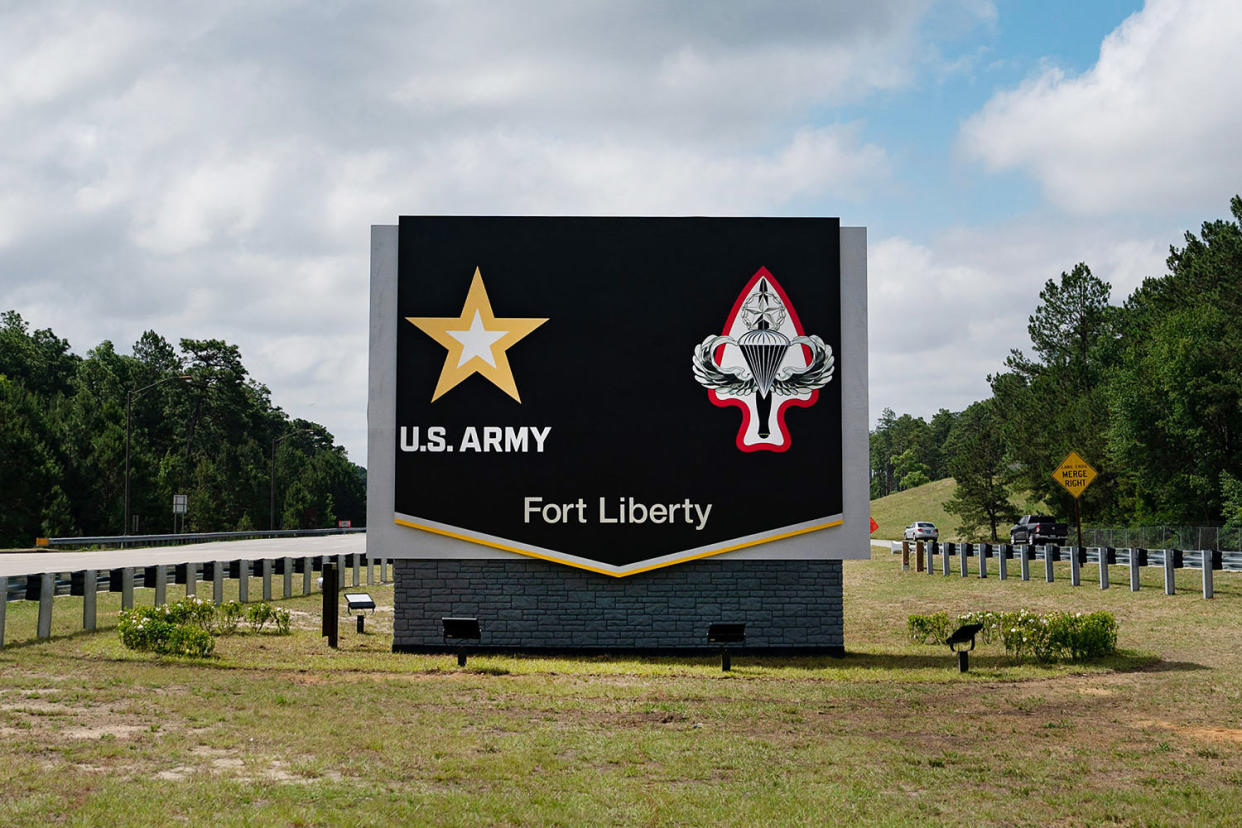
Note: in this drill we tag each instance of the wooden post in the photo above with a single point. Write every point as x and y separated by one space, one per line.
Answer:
963 552
47 588
1075 563
1105 554
1003 551
161 585
905 555
288 578
267 579
308 576
983 550
1170 584
355 557
217 582
243 581
944 558
1135 560
1024 561
127 588
191 579
370 571
1049 555
1207 572
90 586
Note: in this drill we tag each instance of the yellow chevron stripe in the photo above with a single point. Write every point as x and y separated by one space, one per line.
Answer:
529 554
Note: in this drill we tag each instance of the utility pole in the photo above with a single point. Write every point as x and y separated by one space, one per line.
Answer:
272 486
129 410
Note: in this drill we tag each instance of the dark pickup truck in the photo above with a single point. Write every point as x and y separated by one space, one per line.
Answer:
1036 529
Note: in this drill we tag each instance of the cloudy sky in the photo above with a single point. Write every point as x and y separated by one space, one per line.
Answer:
212 169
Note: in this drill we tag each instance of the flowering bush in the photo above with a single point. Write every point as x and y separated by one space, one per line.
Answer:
190 641
1027 635
259 614
928 629
192 610
188 626
170 630
228 616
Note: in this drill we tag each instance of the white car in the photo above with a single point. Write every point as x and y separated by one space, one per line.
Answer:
920 530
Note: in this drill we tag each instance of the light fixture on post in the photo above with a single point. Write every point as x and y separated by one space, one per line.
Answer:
129 409
358 602
461 630
962 635
725 634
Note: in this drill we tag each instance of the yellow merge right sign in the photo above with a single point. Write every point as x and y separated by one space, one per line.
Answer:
1074 474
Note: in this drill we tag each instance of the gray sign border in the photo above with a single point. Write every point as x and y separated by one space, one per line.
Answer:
387 539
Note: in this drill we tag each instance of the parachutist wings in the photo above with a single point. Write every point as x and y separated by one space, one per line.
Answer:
733 380
740 381
815 375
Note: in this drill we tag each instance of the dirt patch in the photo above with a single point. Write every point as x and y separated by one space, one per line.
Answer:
1209 734
117 731
42 707
218 762
1217 734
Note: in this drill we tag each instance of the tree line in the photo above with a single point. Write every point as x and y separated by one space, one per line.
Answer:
1149 392
200 426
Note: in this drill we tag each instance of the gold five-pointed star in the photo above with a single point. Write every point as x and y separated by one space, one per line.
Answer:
476 341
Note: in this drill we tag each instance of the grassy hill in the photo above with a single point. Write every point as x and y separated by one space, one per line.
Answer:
897 511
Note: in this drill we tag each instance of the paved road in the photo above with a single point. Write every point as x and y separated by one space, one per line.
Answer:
34 563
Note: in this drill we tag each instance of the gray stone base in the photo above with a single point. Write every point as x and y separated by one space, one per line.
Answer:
533 606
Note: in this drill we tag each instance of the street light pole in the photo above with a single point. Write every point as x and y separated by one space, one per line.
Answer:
129 410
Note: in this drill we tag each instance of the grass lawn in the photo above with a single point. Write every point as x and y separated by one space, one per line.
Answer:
283 731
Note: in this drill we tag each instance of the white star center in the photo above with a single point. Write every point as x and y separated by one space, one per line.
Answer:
476 342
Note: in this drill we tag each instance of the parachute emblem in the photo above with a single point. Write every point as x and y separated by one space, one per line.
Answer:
778 360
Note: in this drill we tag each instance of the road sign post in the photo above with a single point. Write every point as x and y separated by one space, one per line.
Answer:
1075 475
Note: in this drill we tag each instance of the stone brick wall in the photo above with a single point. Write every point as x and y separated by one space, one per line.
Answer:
532 605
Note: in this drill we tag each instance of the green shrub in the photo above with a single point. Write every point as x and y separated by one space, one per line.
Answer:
928 629
169 630
259 614
1027 635
145 629
189 626
190 641
282 619
1084 636
192 610
228 616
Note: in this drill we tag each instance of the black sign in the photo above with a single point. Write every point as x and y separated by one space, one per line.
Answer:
616 391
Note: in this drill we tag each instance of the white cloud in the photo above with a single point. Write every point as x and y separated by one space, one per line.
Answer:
88 44
212 170
222 197
944 316
1152 125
